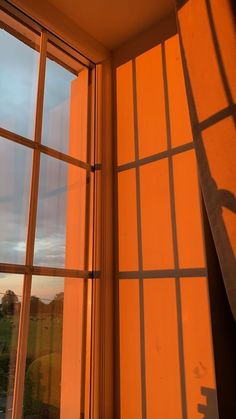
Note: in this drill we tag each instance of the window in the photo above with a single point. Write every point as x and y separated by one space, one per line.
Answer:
47 217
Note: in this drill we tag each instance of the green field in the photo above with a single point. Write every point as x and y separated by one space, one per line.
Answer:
42 390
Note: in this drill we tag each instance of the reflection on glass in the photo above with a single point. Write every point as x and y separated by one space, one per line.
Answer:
56 116
10 300
15 171
18 85
43 362
61 215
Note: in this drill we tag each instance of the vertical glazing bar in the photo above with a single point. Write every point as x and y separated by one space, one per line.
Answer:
87 289
95 310
90 245
25 305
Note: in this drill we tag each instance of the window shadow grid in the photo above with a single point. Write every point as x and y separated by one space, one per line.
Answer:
208 185
219 55
156 157
177 272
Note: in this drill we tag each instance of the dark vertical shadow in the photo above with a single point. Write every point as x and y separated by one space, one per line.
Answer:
223 330
180 3
175 243
209 409
140 251
233 7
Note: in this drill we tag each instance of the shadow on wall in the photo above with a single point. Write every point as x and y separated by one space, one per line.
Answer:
159 245
209 410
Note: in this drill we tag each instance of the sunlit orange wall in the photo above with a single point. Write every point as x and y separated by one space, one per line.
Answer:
207 29
165 352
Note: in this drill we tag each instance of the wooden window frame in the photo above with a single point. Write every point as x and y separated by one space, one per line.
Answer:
93 374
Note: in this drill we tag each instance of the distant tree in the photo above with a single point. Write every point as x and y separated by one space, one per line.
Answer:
9 302
36 305
56 305
59 296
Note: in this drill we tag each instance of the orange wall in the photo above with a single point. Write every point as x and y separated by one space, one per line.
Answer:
165 346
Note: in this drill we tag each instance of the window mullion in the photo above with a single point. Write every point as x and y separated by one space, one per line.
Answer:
25 306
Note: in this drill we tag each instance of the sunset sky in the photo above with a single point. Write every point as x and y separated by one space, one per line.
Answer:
18 86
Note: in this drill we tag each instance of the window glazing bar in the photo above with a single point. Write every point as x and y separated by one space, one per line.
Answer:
45 271
45 150
53 37
25 306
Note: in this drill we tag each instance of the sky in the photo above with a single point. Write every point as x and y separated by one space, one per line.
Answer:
42 287
18 87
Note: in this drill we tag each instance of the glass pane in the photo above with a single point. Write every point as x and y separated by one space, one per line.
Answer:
43 364
54 347
61 215
10 300
15 172
56 116
18 85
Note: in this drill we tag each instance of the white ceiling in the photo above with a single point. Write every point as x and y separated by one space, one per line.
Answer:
113 22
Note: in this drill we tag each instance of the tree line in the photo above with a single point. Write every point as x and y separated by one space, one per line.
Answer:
11 305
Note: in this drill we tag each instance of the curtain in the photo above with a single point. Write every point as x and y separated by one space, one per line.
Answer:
208 48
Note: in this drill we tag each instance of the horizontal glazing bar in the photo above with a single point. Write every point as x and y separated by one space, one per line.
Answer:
62 156
156 157
46 271
44 149
35 26
164 273
20 36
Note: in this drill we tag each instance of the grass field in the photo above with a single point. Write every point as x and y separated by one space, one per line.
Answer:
42 387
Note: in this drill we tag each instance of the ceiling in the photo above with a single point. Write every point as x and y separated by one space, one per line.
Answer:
113 22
